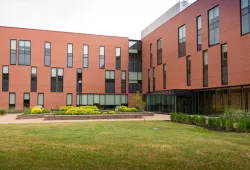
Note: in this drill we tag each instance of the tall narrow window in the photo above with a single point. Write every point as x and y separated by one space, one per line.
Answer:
188 71
5 78
110 82
245 17
26 100
40 99
79 80
12 51
53 80
151 56
199 34
33 79
118 58
47 53
85 56
153 79
102 57
60 80
149 80
69 99
182 41
12 100
70 55
224 67
24 52
159 51
205 69
164 76
123 83
214 26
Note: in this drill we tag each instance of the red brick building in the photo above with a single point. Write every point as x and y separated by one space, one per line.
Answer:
196 60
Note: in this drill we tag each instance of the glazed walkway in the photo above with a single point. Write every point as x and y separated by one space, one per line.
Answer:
11 119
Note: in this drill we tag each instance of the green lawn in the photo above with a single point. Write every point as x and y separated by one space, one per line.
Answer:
120 146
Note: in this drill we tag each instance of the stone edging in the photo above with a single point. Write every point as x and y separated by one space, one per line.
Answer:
30 116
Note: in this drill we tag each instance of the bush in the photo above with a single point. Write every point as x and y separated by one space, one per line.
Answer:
89 107
46 111
127 109
218 123
212 122
2 111
55 109
189 119
236 114
201 120
248 125
15 111
229 125
241 125
66 108
195 120
112 112
27 111
173 117
223 122
36 110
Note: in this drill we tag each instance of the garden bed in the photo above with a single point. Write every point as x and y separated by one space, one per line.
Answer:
31 116
87 117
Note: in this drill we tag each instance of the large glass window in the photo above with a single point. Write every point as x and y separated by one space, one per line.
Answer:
118 58
188 71
123 82
110 82
12 100
70 55
214 26
5 78
69 99
245 16
102 57
40 100
79 80
159 51
164 76
205 69
153 79
26 100
151 56
24 52
199 33
47 53
182 41
53 80
60 80
12 51
33 79
224 67
85 56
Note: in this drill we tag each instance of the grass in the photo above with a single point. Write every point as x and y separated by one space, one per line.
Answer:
120 145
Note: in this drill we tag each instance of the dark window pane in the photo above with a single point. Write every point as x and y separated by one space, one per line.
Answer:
217 35
245 24
47 60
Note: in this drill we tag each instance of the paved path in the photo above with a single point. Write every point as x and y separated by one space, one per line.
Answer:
11 119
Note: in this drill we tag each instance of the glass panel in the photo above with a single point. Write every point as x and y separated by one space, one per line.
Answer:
60 72
205 58
244 3
245 24
13 44
69 99
123 101
112 75
180 33
53 72
211 16
84 99
96 99
199 22
85 49
26 96
33 70
70 61
70 48
40 99
102 63
133 76
110 100
90 99
21 43
12 98
102 51
139 76
216 12
27 43
118 51
184 31
117 100
5 69
47 45
217 35
102 99
123 75
107 74
78 99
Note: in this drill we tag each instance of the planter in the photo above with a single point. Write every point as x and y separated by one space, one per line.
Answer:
30 116
142 113
88 117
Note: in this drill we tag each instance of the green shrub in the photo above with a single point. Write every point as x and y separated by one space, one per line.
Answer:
236 114
248 125
212 122
195 120
177 117
65 108
105 113
27 111
36 110
229 125
241 125
201 120
218 123
46 111
15 111
112 112
2 111
223 122
127 109
189 119
173 117
55 109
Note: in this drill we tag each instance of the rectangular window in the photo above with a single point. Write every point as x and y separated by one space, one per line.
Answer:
199 33
182 41
153 79
245 17
164 76
53 80
33 79
12 100
110 82
118 58
188 70
224 67
214 26
40 99
102 57
70 55
151 56
79 80
24 52
69 99
59 80
159 51
135 82
26 100
85 56
123 83
13 52
5 78
47 53
149 80
205 69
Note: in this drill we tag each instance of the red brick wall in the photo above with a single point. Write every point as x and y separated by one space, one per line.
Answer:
93 77
230 33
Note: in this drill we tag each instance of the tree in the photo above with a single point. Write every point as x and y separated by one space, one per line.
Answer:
138 103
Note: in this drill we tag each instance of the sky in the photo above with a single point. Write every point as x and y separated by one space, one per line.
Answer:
126 18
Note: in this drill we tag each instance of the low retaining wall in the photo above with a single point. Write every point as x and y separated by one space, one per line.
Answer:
142 113
30 116
87 117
